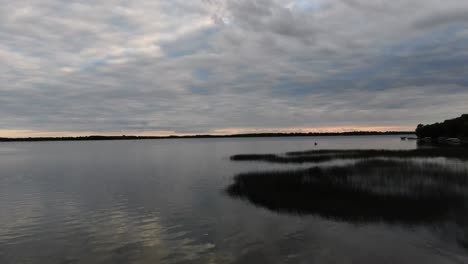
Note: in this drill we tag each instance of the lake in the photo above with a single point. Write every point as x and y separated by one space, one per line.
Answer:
186 201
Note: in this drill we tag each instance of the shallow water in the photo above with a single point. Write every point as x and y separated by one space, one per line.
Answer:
164 201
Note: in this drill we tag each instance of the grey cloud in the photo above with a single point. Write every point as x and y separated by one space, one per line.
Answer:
266 16
204 65
439 19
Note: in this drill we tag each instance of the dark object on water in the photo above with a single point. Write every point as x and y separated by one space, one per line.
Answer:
453 141
440 141
403 138
425 140
315 144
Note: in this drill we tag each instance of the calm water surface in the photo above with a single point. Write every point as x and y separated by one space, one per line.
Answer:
164 201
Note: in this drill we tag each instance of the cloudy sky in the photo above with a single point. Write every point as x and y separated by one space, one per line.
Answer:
227 66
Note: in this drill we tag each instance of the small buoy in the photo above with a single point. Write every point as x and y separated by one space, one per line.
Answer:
316 144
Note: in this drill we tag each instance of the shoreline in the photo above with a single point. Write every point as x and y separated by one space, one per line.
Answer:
252 135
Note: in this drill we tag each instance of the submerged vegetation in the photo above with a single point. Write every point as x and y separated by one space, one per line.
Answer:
329 155
405 187
370 190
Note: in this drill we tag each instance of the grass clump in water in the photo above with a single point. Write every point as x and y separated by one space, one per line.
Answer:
370 190
315 156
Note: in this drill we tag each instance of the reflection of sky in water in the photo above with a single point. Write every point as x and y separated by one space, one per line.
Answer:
98 235
163 202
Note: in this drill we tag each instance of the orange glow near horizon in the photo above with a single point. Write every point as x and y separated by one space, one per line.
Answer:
337 129
223 131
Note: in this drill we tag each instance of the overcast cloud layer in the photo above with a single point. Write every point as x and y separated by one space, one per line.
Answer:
217 66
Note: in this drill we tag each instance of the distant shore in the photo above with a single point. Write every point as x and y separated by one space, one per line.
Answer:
251 135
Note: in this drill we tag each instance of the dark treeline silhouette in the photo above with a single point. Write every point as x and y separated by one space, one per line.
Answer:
329 155
399 192
452 128
124 137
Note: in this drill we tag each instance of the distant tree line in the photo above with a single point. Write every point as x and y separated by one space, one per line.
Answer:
124 137
452 128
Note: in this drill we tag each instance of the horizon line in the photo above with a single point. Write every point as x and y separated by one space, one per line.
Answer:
25 133
130 137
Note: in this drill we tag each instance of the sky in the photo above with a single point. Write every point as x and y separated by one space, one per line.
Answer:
160 67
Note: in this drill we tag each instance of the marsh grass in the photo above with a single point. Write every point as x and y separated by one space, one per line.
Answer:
316 156
369 190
